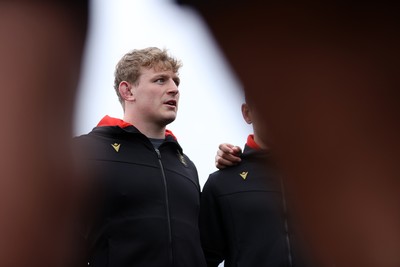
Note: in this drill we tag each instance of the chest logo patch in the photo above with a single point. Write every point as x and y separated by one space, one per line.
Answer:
116 146
182 159
243 175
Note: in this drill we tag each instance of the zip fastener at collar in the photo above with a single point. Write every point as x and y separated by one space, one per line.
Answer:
167 205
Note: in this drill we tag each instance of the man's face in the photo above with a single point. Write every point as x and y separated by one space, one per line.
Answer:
157 95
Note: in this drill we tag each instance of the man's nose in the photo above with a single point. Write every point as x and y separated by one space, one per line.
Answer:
173 88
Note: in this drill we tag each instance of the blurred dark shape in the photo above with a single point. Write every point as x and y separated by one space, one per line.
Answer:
326 80
40 50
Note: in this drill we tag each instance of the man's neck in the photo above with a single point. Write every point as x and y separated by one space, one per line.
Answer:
150 130
259 142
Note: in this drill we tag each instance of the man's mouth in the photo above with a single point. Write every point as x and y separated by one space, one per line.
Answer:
171 103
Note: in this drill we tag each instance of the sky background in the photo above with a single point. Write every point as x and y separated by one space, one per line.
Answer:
209 109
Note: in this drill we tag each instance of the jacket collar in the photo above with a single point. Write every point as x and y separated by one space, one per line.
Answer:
251 143
253 149
110 121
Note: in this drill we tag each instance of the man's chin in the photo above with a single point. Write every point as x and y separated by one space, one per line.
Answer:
169 120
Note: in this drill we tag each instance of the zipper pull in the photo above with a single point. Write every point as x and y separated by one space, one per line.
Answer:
158 153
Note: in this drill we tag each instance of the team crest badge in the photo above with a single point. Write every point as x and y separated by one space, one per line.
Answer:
182 159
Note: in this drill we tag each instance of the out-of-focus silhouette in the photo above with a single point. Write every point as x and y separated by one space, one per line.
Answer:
325 78
40 50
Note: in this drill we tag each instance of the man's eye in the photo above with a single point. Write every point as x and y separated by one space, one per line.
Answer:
177 82
160 81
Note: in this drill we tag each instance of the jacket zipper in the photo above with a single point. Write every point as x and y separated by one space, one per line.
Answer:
290 257
167 206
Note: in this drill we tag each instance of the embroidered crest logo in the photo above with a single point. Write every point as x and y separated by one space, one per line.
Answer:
182 159
243 175
116 146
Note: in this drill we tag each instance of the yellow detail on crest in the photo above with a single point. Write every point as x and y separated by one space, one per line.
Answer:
243 175
116 146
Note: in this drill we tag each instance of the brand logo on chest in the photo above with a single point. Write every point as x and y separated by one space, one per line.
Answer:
243 175
116 147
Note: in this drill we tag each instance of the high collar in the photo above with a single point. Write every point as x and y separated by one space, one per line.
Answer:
110 121
252 143
252 149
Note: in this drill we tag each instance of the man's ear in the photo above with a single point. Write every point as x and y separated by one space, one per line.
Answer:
246 113
125 90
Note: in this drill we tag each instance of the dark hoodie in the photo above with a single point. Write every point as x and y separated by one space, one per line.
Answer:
242 215
147 199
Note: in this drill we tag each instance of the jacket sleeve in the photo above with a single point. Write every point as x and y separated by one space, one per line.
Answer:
211 226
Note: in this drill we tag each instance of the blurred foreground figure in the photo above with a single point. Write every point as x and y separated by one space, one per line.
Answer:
40 50
325 79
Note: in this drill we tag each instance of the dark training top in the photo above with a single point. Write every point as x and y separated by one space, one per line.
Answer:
147 199
242 218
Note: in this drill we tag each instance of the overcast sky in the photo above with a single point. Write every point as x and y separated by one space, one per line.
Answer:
209 109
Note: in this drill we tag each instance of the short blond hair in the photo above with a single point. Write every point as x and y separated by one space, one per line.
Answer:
129 66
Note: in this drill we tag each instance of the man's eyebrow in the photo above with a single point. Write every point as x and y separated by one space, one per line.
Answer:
165 75
162 75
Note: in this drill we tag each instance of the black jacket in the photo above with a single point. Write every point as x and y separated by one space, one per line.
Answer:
147 200
242 218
